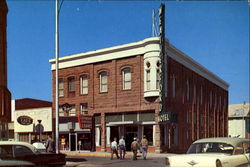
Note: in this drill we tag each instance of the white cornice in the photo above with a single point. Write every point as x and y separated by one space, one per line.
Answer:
134 49
116 52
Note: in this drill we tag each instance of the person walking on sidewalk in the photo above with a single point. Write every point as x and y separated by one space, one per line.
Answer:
50 144
114 149
122 147
144 147
134 147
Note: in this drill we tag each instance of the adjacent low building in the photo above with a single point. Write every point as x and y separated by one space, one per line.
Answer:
114 92
32 119
239 120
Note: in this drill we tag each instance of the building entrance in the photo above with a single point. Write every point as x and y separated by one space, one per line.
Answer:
72 141
130 133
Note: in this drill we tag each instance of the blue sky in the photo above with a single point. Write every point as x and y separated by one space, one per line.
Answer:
215 34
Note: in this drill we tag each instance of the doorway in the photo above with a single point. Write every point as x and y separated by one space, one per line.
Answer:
130 133
72 141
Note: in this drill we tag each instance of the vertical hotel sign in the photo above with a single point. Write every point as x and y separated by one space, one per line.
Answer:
164 116
162 64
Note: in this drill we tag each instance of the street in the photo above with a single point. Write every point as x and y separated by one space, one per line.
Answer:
105 161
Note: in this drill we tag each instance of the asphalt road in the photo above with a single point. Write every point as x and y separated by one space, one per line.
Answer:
106 162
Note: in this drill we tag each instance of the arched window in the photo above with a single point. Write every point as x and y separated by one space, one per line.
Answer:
103 81
84 84
71 84
126 78
158 75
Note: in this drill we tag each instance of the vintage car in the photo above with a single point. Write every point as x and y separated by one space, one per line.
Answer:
11 151
214 152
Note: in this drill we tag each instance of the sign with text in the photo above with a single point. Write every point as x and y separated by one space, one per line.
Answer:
24 120
85 121
167 117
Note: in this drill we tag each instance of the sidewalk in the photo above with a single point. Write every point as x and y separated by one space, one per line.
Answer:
129 154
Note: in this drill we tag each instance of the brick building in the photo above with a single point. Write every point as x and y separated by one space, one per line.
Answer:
5 95
119 87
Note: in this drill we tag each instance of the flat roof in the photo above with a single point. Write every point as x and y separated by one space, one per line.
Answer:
134 49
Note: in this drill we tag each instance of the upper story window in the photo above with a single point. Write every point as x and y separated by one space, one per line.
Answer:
72 112
148 79
60 85
84 108
158 78
61 112
103 81
71 84
84 84
126 75
158 75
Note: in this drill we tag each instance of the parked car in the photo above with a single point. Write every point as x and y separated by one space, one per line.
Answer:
22 151
40 146
214 152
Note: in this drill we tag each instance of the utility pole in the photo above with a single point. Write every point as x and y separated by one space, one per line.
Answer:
56 57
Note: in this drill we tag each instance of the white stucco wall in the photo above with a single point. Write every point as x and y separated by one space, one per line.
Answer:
236 127
44 114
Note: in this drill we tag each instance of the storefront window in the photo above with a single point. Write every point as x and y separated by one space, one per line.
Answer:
147 116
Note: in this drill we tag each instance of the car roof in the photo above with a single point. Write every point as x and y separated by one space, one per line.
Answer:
17 143
229 140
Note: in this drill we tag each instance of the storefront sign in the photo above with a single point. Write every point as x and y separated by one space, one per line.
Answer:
24 120
167 117
85 121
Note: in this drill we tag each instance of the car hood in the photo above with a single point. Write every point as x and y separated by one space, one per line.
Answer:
195 160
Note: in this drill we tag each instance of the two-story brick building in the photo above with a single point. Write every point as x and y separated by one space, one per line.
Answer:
119 87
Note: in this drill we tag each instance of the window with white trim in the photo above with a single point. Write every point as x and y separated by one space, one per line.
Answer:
60 87
158 78
72 112
126 77
61 112
158 75
84 108
148 79
84 84
103 81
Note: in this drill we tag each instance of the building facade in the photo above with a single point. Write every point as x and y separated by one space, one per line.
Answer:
5 95
239 120
119 88
32 119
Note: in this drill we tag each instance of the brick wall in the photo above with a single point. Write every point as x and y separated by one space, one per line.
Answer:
116 99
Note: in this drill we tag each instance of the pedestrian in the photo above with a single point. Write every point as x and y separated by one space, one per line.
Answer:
144 147
114 148
122 148
50 144
134 147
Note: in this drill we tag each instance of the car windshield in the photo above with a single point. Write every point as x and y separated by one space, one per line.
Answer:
214 147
